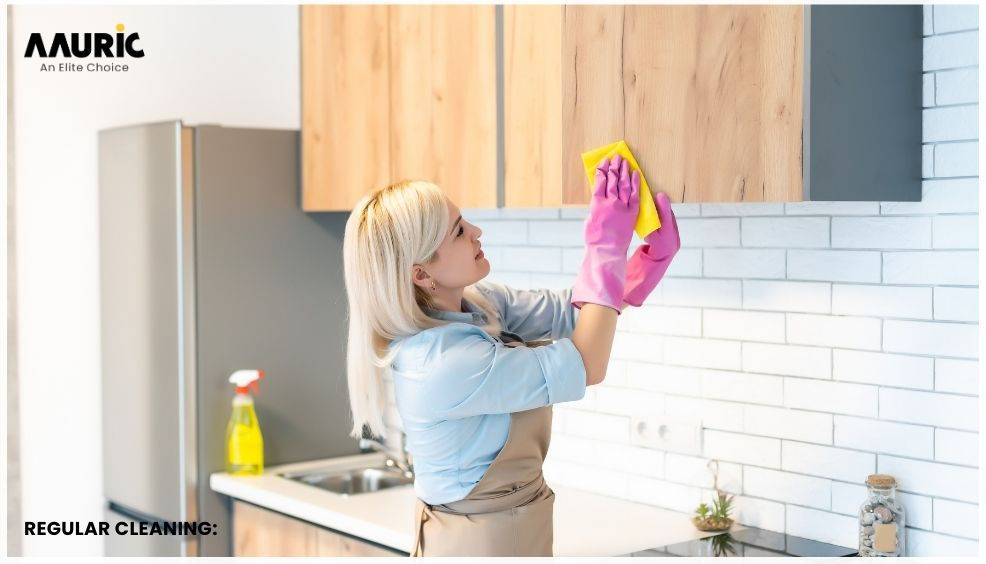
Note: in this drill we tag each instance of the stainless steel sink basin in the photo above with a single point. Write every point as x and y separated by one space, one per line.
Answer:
352 481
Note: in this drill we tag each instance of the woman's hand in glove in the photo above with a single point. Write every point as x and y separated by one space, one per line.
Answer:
608 232
651 259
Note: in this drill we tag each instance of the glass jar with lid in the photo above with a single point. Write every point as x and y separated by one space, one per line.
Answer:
881 518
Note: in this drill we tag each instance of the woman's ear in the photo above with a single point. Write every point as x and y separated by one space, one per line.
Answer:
420 278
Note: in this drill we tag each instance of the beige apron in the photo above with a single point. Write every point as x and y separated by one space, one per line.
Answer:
509 512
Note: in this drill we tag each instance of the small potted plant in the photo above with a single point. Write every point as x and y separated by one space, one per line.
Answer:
717 517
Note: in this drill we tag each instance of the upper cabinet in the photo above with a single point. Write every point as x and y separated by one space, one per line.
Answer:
718 103
393 92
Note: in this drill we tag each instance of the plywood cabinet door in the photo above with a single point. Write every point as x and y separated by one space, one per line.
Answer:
394 92
709 98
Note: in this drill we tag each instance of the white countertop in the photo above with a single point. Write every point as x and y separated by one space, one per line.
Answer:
586 524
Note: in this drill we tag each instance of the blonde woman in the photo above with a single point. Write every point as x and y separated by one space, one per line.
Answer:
476 365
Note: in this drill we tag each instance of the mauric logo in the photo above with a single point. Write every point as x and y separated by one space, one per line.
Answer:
86 44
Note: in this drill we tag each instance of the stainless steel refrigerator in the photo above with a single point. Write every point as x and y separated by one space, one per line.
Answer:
209 265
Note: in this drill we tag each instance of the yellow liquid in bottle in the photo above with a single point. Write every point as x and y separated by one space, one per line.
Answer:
244 443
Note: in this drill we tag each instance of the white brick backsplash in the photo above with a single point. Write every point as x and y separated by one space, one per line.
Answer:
596 425
624 401
744 263
927 161
785 232
833 331
931 267
847 498
703 353
932 478
694 471
833 397
571 259
823 526
702 293
871 435
616 372
626 458
742 209
808 297
929 337
574 449
928 14
949 18
475 214
551 281
502 232
957 376
810 362
709 232
832 208
789 488
686 262
924 543
929 408
956 232
574 212
883 369
928 89
665 494
714 414
562 233
826 462
531 259
835 266
759 513
953 123
951 51
956 304
881 232
662 320
960 86
957 447
529 213
588 477
514 279
952 195
686 210
957 159
637 346
788 424
740 386
743 325
881 301
743 449
662 378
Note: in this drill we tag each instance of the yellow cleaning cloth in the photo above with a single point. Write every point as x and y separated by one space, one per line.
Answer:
647 219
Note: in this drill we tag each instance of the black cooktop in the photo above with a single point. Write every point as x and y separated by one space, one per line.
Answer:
748 542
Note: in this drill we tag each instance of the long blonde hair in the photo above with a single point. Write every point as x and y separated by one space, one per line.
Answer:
391 229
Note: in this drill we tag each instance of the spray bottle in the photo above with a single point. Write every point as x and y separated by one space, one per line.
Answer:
244 443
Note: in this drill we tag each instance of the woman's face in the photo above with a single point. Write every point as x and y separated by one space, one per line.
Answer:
456 264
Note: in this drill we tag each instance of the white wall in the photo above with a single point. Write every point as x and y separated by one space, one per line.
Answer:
227 65
817 342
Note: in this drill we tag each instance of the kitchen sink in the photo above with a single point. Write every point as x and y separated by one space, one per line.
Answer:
352 481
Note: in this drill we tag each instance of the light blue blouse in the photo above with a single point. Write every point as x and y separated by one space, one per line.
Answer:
455 385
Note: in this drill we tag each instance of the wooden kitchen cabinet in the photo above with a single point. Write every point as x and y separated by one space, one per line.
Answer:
261 532
724 103
394 92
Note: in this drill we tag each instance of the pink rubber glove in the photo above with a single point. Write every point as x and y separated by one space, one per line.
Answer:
651 259
608 232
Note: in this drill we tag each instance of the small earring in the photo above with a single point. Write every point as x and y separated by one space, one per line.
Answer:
433 287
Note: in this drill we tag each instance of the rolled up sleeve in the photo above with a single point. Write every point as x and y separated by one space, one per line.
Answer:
471 374
533 314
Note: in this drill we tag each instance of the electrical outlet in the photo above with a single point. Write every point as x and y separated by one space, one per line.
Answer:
667 433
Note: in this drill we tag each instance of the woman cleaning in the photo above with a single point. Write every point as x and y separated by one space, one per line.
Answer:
476 366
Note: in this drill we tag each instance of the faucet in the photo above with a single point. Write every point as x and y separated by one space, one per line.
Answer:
402 460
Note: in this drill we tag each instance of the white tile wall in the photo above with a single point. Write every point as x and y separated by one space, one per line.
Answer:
817 342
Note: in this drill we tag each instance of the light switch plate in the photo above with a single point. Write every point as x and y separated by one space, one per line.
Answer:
667 433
